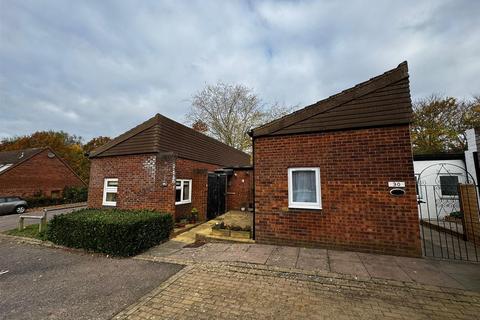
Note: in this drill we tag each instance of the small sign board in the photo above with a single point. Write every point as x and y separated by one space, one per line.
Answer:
396 184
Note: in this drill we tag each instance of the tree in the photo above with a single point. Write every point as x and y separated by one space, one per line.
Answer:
200 126
439 124
95 143
227 112
69 147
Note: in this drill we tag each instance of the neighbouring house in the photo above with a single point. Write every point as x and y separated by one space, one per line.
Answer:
339 173
166 166
438 177
472 157
37 171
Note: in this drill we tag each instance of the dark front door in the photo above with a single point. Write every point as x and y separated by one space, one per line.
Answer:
217 184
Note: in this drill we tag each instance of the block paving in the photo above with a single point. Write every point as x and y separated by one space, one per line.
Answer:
245 281
243 291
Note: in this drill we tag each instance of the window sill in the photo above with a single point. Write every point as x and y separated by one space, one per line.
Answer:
181 203
109 205
304 208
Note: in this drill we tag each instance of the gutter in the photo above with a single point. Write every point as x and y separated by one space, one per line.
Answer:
253 161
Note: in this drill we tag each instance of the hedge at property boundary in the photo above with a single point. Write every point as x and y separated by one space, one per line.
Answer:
112 231
69 195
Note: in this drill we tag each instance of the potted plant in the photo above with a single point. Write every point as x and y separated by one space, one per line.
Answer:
239 232
219 229
194 215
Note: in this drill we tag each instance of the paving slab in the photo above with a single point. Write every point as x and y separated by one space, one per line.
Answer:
166 249
311 263
344 255
347 262
256 254
356 269
283 257
425 272
467 274
383 267
313 253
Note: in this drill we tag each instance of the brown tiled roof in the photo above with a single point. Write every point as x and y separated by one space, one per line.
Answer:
382 100
16 157
161 135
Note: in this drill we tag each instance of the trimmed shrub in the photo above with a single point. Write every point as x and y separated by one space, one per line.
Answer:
42 201
70 195
112 231
75 194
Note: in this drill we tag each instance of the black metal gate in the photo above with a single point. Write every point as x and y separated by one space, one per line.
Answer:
449 216
217 184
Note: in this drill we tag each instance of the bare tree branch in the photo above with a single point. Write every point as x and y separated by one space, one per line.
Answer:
230 111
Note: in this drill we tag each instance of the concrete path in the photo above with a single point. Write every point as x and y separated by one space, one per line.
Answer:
460 275
8 222
45 283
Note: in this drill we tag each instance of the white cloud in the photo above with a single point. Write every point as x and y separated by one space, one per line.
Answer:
100 67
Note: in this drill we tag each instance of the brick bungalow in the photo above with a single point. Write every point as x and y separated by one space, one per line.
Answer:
30 172
161 165
322 173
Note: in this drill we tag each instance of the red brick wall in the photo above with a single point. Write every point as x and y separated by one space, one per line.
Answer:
240 190
39 174
198 172
358 211
144 181
148 181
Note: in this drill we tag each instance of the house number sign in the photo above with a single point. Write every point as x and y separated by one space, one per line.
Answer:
396 184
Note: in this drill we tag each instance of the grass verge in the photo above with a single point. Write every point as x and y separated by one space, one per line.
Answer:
30 231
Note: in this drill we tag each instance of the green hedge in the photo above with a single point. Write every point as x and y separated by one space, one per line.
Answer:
69 195
111 231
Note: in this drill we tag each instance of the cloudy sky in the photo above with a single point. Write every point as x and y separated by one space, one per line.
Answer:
100 67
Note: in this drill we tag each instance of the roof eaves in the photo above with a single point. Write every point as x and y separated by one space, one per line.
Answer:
361 89
124 136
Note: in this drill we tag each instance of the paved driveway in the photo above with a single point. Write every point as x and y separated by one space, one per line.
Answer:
8 222
364 266
251 291
44 283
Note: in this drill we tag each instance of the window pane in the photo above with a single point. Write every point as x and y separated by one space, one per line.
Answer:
112 183
178 184
178 194
186 190
304 189
449 185
111 197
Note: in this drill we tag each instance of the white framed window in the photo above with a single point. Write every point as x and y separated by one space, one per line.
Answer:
449 186
110 190
183 191
304 190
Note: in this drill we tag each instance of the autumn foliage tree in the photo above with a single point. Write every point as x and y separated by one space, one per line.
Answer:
68 147
439 123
